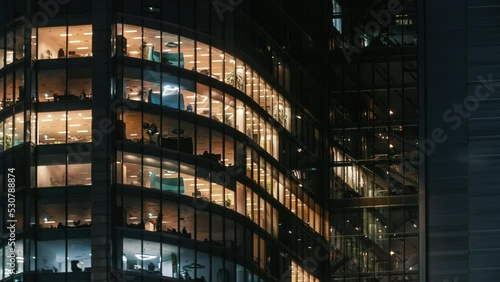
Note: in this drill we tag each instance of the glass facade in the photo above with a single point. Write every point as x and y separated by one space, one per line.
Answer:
210 171
374 185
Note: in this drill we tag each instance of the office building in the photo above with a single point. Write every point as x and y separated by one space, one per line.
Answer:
249 140
461 130
374 184
160 141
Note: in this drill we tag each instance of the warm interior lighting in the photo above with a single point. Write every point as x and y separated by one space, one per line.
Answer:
144 257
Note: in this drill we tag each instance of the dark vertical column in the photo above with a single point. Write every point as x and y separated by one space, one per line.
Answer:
446 164
29 202
421 132
101 138
483 131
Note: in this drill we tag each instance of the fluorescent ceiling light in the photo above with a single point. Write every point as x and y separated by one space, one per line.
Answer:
144 257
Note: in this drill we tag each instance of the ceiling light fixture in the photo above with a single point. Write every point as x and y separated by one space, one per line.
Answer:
144 257
171 44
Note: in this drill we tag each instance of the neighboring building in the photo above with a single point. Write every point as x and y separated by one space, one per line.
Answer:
374 186
162 140
459 89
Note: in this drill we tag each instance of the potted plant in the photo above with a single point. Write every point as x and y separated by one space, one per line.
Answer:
233 78
280 114
268 185
8 141
228 202
151 129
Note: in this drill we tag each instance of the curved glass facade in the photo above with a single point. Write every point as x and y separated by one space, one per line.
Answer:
210 167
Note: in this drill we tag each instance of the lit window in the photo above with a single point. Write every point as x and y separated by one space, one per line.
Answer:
337 15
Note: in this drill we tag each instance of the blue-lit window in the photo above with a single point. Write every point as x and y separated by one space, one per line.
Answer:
337 15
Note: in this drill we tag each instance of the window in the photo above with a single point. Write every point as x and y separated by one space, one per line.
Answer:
61 256
337 15
202 58
19 129
19 259
2 136
19 41
9 128
58 170
61 42
2 93
403 20
2 52
64 127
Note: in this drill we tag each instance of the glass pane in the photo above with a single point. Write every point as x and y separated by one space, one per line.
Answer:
79 255
9 56
8 133
9 90
79 41
80 83
51 171
19 49
202 100
2 55
230 76
152 45
1 136
187 55
52 42
19 129
2 93
217 106
202 58
52 130
19 85
51 85
217 64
